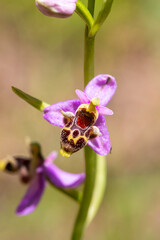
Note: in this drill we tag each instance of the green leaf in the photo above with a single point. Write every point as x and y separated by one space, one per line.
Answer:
84 13
103 14
40 105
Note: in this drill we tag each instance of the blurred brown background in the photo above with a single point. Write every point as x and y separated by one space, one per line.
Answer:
44 57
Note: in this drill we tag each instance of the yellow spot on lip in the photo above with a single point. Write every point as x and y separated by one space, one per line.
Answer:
64 153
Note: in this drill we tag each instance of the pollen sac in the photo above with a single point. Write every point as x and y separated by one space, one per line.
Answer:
68 118
78 130
92 132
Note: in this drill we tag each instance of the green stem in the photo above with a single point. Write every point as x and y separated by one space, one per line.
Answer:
89 49
81 221
88 57
95 165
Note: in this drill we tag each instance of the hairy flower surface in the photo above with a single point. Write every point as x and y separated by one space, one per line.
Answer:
82 119
35 171
56 8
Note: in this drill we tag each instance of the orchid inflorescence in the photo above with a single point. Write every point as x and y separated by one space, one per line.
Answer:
82 121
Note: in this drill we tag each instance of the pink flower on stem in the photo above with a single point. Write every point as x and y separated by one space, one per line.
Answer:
83 119
56 8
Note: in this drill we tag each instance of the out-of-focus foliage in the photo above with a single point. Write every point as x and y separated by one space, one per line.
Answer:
44 57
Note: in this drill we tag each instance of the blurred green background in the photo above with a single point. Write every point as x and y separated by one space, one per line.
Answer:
44 57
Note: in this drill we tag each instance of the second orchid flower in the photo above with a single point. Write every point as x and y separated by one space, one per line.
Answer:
36 171
83 119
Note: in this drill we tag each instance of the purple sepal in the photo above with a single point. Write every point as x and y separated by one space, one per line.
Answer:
53 113
101 86
32 196
101 144
61 178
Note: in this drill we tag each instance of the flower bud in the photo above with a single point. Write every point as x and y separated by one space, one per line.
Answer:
56 8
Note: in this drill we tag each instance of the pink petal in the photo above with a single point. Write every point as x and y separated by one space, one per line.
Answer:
104 110
101 144
32 196
82 96
101 86
53 113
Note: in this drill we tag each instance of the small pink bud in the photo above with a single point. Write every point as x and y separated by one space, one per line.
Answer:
56 8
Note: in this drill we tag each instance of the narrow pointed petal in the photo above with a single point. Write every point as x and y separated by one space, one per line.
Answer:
101 144
53 113
51 157
104 110
82 96
101 86
63 179
32 196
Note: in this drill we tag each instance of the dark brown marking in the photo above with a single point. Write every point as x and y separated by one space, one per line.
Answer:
87 133
80 143
92 135
108 80
64 134
72 143
75 133
9 167
67 121
110 150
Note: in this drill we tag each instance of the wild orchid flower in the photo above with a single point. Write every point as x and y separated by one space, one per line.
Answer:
56 8
35 171
83 119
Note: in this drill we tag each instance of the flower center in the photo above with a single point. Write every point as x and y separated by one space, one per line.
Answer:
87 114
84 119
79 127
